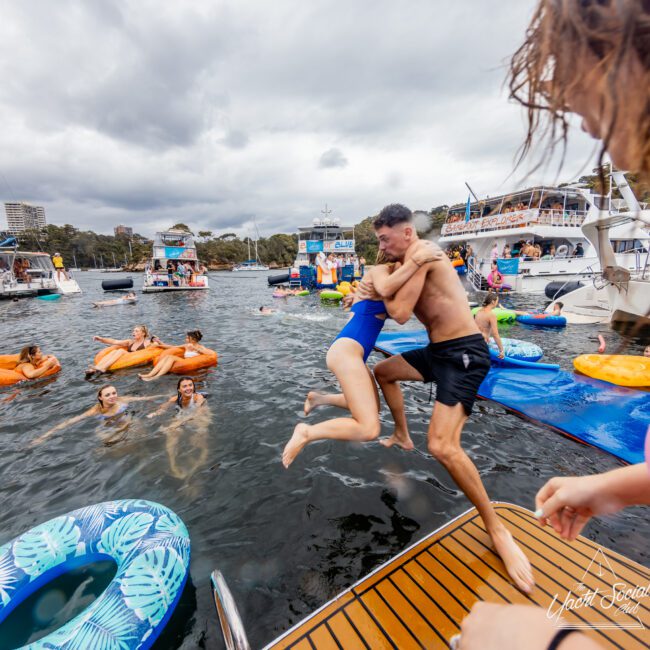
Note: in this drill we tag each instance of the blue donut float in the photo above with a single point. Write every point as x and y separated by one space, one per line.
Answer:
542 320
517 349
148 542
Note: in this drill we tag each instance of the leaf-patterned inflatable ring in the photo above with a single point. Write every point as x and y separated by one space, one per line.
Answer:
149 544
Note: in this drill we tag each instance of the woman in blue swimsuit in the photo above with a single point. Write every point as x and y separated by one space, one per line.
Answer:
110 406
347 358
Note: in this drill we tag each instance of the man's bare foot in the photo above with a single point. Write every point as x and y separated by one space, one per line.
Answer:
295 445
516 563
406 444
313 400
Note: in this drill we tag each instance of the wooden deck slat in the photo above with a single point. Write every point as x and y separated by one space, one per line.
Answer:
549 583
419 599
367 627
345 634
321 637
394 627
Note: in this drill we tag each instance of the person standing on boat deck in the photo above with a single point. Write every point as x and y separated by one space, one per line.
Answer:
486 321
59 267
180 272
457 359
170 273
579 250
348 354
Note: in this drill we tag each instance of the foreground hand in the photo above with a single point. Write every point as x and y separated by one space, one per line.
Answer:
502 354
505 627
427 252
568 503
347 301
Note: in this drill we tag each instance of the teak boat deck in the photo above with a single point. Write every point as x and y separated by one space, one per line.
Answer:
419 598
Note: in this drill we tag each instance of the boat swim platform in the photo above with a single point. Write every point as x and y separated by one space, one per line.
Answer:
420 597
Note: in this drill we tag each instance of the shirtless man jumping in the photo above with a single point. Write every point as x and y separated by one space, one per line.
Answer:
457 359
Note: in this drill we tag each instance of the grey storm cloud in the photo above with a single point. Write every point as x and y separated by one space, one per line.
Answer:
206 111
332 158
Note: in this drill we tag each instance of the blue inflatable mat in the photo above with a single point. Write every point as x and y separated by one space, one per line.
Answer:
612 418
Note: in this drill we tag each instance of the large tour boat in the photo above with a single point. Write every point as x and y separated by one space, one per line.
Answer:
550 217
326 256
177 249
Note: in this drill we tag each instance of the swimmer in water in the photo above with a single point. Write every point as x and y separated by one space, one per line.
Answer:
129 299
186 398
486 321
266 311
191 347
33 363
108 408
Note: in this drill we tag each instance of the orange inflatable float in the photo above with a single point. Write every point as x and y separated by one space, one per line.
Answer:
9 375
130 359
183 366
8 361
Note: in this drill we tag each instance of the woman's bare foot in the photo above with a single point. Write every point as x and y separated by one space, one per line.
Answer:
148 377
295 445
313 400
403 441
516 563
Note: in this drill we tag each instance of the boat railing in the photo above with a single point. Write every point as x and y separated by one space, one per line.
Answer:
473 273
507 220
231 624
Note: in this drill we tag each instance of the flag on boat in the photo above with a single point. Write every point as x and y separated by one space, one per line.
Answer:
467 208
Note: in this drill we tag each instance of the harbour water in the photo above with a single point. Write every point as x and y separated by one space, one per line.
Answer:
286 540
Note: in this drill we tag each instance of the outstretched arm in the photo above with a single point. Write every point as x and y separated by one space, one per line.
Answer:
141 399
568 503
104 339
77 418
162 408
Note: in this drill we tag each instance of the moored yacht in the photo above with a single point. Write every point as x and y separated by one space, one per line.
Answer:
175 248
617 293
24 274
549 217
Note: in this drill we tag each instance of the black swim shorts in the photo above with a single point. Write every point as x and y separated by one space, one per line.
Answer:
457 367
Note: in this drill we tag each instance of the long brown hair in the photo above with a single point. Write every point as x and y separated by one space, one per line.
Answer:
544 70
27 353
100 391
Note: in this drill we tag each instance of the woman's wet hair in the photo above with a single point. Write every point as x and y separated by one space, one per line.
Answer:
195 335
544 70
179 397
392 215
100 391
27 353
490 298
145 330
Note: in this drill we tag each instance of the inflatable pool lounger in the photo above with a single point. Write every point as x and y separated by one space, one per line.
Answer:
594 412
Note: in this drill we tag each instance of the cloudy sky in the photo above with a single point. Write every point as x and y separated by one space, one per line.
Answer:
219 113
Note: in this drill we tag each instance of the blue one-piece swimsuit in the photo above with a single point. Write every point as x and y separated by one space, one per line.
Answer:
364 326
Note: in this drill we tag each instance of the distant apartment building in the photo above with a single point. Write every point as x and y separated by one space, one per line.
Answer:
23 216
123 230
